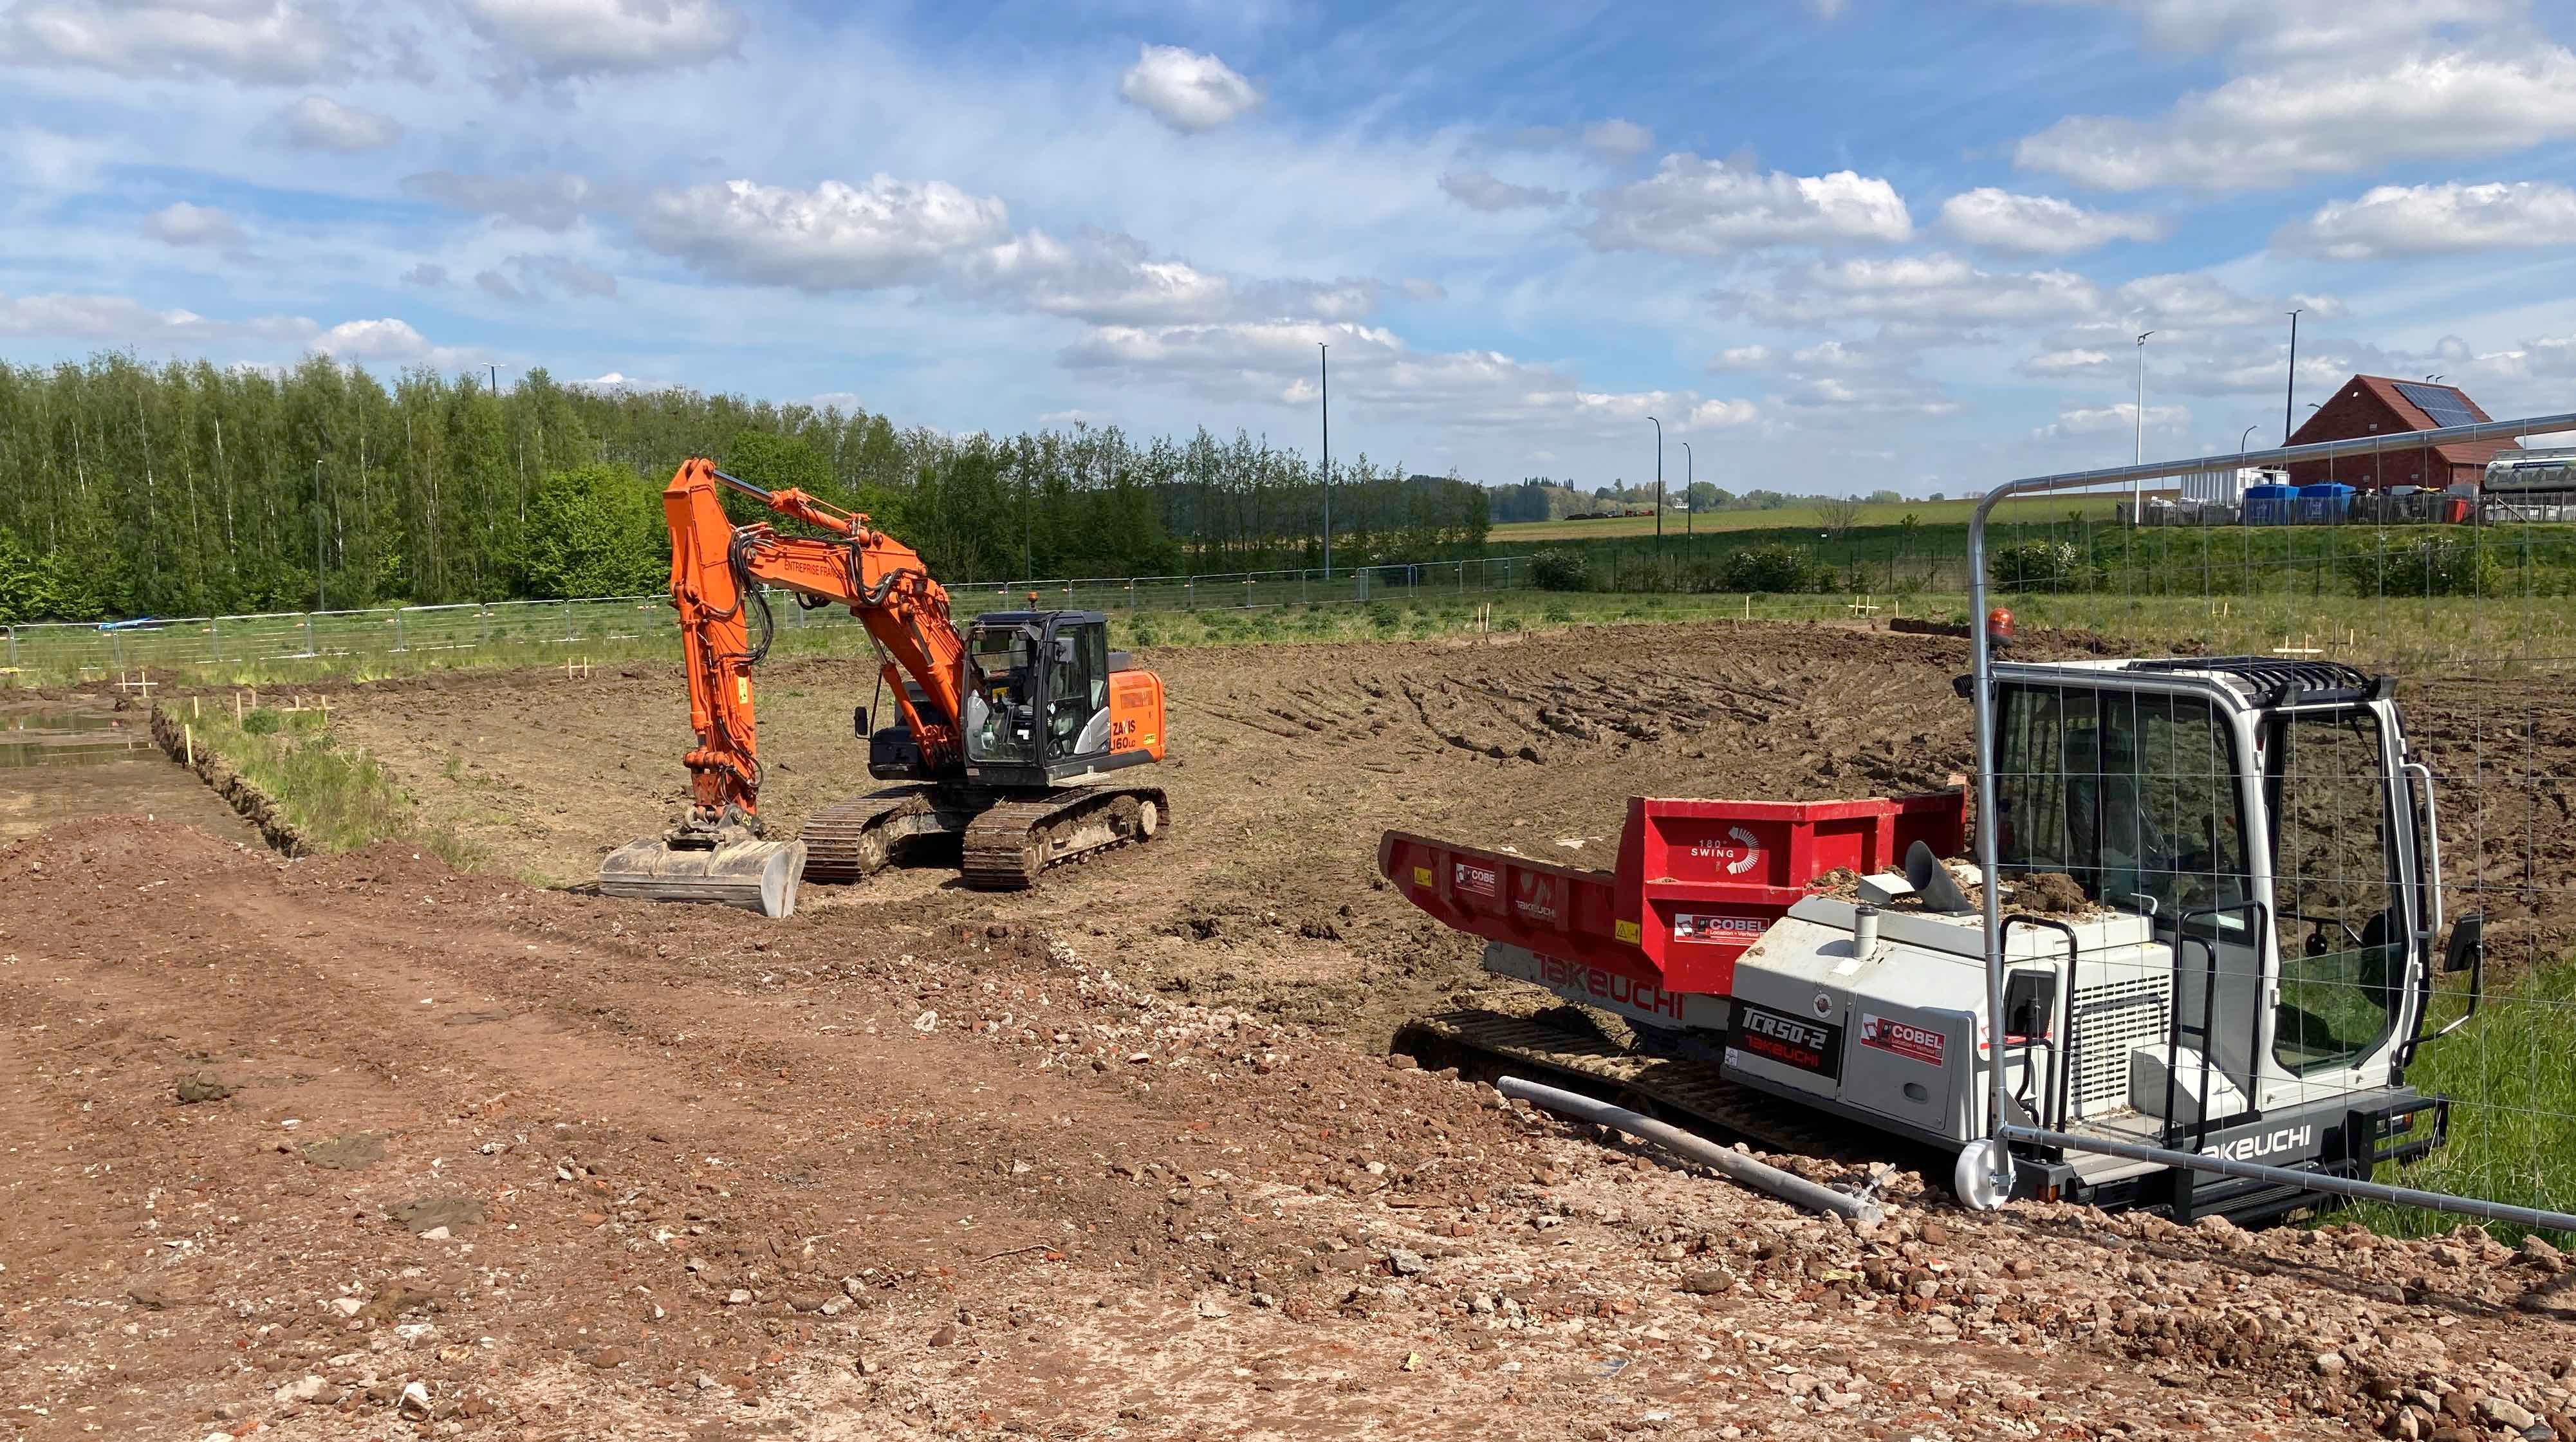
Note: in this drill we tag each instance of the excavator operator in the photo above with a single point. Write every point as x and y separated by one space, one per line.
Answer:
997 711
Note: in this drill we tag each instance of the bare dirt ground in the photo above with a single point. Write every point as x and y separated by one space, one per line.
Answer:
1285 765
365 1148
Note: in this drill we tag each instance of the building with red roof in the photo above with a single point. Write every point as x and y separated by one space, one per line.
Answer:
2386 406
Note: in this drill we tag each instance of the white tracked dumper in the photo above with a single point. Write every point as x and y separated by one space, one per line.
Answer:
2221 929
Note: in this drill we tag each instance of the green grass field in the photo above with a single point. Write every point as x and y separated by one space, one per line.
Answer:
1799 519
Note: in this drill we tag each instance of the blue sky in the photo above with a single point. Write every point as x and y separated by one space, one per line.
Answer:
1833 244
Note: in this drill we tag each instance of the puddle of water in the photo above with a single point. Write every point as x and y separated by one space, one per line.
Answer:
59 764
69 738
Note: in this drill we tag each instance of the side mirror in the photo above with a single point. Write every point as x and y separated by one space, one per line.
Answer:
2468 943
2467 952
859 722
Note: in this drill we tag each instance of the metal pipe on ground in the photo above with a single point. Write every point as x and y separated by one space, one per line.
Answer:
1735 1165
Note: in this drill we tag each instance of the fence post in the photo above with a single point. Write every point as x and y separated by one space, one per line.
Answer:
13 648
398 627
567 620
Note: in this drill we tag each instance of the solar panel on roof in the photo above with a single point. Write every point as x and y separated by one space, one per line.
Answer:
2443 404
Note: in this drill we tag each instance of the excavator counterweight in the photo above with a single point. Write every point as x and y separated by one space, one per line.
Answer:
1009 737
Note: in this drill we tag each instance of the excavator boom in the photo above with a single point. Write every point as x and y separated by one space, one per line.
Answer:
717 572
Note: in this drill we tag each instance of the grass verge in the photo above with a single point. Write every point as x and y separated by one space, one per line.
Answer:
2513 1110
331 798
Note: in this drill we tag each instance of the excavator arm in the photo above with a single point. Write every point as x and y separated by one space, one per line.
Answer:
717 572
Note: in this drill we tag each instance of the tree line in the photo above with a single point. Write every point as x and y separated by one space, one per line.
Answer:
191 489
1541 498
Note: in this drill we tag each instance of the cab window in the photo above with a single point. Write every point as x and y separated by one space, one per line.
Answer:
2342 935
2132 795
997 702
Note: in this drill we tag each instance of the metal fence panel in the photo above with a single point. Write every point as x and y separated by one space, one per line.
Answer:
2381 913
74 650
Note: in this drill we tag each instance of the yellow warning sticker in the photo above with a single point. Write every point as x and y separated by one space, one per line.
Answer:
1625 930
742 689
1422 876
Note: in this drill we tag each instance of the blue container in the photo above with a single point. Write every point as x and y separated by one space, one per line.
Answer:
2268 505
2324 504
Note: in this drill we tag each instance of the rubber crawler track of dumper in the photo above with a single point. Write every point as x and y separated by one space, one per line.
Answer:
1684 1091
1008 845
857 838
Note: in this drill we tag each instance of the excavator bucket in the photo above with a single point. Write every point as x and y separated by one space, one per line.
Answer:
754 875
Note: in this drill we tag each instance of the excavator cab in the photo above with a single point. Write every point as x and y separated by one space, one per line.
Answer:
1047 703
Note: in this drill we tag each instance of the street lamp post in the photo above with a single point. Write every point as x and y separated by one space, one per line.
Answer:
2240 440
1690 500
321 523
2290 385
1324 369
2140 417
1659 483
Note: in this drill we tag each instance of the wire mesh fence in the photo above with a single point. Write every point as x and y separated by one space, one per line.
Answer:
2330 843
64 651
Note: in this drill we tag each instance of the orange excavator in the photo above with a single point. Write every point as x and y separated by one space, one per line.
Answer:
1012 739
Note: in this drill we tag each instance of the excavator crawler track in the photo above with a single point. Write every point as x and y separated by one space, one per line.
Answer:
1008 845
857 838
1686 1091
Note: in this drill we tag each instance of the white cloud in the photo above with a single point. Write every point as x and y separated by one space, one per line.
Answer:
619 381
1417 288
119 320
389 342
559 38
1692 206
2275 127
1100 277
272 42
2425 219
1936 290
832 237
2121 419
318 122
1274 361
552 201
426 274
185 224
102 318
2300 28
528 277
1834 380
46 162
1187 91
1827 9
2038 224
1616 139
2072 361
1718 415
1481 190
1742 358
2197 300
